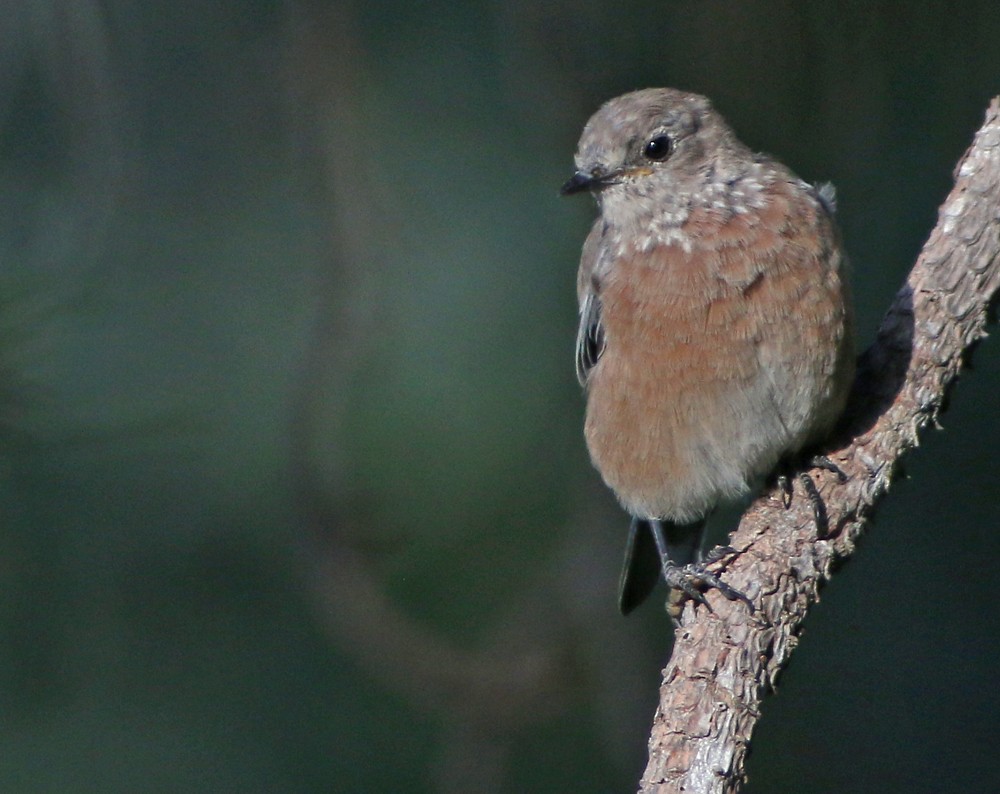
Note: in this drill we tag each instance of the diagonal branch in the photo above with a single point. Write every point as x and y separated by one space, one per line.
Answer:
724 662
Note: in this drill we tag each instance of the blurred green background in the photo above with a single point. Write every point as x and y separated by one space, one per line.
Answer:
294 495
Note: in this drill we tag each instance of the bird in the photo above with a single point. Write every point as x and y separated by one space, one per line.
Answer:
715 339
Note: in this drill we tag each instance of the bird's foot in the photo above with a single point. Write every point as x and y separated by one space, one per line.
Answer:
691 581
784 481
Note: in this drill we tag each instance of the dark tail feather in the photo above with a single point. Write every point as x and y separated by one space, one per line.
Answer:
643 566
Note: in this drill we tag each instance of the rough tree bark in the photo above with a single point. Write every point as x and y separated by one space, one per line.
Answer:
724 661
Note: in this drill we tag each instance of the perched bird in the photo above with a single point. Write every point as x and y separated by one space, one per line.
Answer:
715 337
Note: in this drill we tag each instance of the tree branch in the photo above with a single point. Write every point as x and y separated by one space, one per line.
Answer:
724 661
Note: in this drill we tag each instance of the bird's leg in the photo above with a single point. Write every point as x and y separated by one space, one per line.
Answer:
690 579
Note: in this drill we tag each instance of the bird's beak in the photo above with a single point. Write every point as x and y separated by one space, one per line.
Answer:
598 178
579 182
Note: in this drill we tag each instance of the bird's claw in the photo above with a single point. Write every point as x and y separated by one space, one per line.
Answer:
692 580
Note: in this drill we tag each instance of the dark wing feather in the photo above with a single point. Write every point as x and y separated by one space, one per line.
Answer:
590 337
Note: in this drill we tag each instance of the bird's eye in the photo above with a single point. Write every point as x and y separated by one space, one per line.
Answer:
657 148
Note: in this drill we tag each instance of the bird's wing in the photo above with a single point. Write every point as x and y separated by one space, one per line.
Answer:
590 336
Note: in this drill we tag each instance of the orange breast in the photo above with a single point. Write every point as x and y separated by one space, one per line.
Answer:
718 360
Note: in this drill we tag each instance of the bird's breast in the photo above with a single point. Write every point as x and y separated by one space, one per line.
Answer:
719 356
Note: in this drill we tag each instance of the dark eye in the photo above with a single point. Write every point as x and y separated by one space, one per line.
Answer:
657 149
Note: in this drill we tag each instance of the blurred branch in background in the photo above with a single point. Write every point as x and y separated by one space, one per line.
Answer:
517 674
63 174
723 662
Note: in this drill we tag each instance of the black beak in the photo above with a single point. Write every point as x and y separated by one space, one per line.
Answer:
578 183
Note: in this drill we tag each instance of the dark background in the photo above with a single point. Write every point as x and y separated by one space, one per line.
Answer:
294 493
